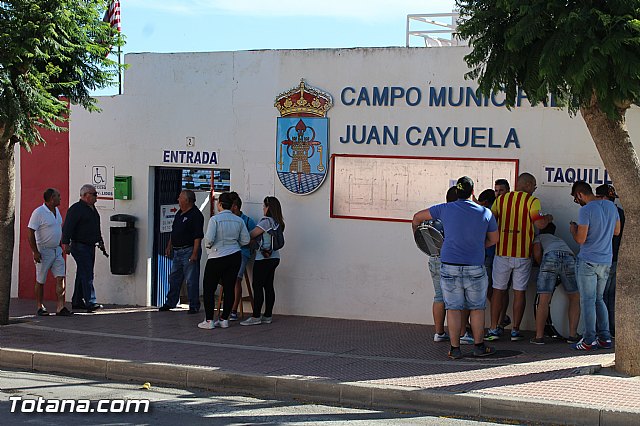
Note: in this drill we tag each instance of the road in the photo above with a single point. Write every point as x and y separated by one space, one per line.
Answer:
170 406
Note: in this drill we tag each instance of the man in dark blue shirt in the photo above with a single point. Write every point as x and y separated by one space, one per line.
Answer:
184 248
80 234
608 192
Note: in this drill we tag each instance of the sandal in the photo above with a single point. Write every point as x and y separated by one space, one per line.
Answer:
42 312
64 312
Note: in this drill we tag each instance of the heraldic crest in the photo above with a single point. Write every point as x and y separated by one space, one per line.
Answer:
302 138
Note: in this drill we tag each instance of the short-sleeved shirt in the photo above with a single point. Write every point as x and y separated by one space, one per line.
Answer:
250 224
601 217
266 224
465 225
550 242
515 212
187 227
47 226
617 239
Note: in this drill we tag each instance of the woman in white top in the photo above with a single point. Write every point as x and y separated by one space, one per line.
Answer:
266 262
225 235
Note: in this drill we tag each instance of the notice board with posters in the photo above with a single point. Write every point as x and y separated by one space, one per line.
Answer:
390 188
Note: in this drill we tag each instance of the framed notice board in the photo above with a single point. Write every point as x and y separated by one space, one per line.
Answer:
390 188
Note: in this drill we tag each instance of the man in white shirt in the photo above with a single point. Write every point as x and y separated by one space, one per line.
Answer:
44 234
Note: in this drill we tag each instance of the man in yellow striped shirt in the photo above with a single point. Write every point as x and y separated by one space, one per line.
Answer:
517 213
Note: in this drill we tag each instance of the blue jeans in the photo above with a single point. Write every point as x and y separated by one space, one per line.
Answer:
85 256
464 287
609 297
182 269
557 264
592 279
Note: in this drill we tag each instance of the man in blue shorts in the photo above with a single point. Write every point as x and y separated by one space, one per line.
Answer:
598 222
556 260
469 228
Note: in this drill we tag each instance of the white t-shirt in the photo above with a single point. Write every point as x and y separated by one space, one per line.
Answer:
48 227
266 224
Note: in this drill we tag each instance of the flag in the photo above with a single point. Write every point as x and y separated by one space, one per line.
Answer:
112 15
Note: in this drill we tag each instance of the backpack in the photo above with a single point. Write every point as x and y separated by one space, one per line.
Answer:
277 238
429 237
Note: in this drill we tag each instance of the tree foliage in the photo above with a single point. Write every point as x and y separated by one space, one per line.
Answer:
52 52
572 49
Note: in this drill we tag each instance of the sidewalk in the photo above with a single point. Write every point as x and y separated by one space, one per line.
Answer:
363 363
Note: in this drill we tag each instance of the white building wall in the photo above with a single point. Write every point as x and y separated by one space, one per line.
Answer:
338 268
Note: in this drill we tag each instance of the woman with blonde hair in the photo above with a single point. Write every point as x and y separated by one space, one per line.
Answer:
266 262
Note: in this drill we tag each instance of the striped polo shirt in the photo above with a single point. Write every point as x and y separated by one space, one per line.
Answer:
515 212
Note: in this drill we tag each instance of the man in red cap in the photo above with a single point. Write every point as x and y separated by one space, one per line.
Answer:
608 192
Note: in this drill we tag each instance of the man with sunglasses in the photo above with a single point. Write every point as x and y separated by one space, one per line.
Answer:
598 222
80 235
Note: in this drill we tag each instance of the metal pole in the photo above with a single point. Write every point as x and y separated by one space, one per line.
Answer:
119 72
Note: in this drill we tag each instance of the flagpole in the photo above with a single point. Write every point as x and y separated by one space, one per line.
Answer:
119 71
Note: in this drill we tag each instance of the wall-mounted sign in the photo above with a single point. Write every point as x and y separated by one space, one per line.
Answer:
102 178
302 138
200 158
563 175
167 213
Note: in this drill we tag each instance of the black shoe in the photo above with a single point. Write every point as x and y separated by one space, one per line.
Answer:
64 312
164 308
75 306
94 307
42 312
192 311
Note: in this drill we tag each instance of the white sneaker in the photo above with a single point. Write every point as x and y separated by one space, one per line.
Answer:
251 321
467 339
266 320
222 323
207 325
444 337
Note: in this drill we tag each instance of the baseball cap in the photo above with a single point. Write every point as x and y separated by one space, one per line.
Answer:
606 190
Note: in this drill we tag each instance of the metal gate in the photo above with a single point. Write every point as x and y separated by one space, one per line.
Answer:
168 184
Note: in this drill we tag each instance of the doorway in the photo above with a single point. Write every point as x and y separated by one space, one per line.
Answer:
169 182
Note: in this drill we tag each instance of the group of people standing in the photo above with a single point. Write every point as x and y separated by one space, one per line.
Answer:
231 240
490 245
79 236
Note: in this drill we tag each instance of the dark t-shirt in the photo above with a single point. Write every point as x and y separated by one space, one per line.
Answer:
617 238
187 227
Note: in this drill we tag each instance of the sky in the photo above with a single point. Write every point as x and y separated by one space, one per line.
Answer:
227 25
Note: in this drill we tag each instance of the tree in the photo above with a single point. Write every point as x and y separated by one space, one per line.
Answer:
586 53
52 53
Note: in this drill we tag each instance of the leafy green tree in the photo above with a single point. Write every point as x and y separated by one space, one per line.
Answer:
587 54
52 53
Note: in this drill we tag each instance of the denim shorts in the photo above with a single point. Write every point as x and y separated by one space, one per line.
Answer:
51 260
434 268
243 266
557 264
464 287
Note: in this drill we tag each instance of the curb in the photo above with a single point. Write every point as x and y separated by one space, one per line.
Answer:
355 394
